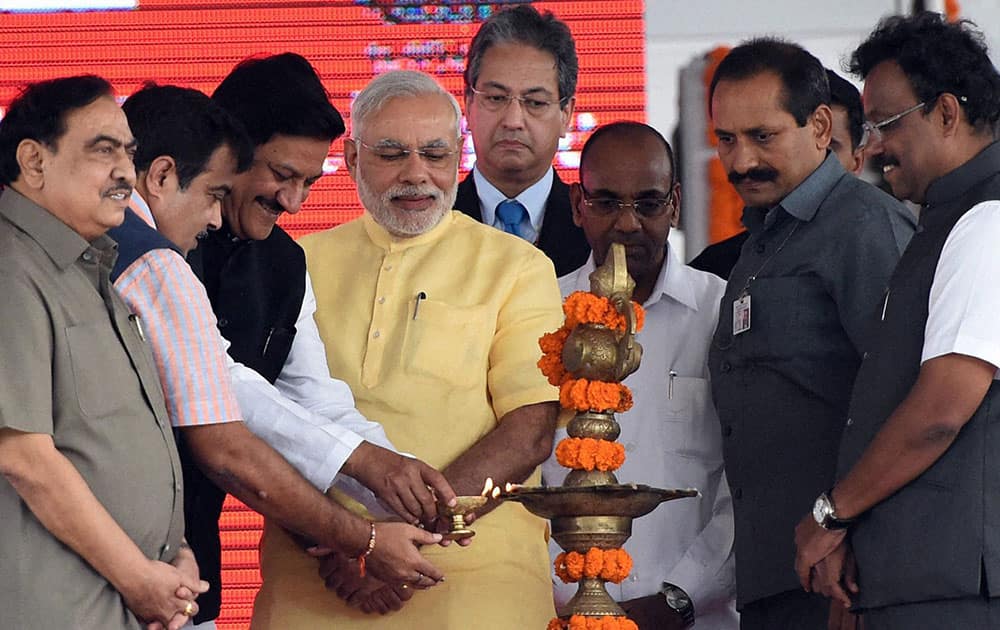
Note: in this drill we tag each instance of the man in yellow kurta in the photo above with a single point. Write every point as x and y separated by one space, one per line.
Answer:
433 320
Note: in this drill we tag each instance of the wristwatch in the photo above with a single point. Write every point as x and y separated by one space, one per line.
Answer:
825 513
679 602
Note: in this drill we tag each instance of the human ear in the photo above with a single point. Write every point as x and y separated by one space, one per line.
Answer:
30 155
821 121
576 200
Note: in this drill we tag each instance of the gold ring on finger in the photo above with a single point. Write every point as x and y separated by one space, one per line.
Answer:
188 610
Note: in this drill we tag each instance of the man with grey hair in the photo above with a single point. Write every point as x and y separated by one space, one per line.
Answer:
520 86
445 359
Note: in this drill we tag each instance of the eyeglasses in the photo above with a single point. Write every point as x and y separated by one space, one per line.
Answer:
496 101
388 153
873 131
647 208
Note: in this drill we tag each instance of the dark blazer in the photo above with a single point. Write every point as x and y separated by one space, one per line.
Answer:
563 242
721 257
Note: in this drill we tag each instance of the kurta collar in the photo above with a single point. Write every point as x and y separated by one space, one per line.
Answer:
391 243
141 209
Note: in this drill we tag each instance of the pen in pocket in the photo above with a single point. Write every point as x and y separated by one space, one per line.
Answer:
416 304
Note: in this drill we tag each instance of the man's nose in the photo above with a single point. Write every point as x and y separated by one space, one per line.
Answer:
627 220
291 197
414 170
513 114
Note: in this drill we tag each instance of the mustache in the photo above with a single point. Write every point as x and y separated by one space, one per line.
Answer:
119 186
883 160
405 190
271 204
754 174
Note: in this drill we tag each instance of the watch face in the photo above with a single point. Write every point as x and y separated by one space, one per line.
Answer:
821 509
677 599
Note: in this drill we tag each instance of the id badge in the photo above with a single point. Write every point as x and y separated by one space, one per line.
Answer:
741 314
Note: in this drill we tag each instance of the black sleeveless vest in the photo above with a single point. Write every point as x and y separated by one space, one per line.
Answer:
256 289
937 536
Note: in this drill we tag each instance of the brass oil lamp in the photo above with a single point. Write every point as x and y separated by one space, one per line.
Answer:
591 508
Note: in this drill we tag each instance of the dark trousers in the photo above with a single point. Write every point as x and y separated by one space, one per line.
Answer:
791 610
973 613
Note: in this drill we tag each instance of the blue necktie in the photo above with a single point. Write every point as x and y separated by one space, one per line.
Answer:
511 214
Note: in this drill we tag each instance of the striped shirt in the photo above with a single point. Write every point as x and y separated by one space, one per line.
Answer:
180 327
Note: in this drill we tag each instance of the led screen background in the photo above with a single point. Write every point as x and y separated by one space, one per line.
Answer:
196 42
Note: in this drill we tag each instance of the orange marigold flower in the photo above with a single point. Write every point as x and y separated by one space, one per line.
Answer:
584 395
610 456
593 562
589 454
579 622
553 342
552 367
555 624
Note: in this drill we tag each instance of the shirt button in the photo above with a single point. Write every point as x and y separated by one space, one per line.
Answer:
88 256
738 493
727 430
381 300
223 322
629 447
376 334
850 421
727 366
388 267
761 248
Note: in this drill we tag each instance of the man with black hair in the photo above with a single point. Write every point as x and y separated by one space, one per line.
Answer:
919 489
91 489
794 319
845 143
683 572
256 281
520 86
848 123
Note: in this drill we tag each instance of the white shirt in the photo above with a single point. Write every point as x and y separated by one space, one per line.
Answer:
533 199
964 301
308 416
672 439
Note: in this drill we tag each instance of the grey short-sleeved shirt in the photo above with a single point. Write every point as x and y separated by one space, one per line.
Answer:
74 366
815 267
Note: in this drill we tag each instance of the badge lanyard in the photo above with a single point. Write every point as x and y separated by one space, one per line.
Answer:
741 306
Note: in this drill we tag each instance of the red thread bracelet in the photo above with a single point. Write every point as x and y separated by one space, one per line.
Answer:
367 552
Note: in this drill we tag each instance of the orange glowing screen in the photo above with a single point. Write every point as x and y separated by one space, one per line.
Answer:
196 42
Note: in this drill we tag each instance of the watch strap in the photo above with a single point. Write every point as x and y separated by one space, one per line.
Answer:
679 601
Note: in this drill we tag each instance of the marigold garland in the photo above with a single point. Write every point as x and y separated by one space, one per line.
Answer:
584 395
582 307
612 565
590 453
579 622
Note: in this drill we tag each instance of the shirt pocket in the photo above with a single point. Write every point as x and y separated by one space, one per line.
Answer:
102 370
690 427
448 343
